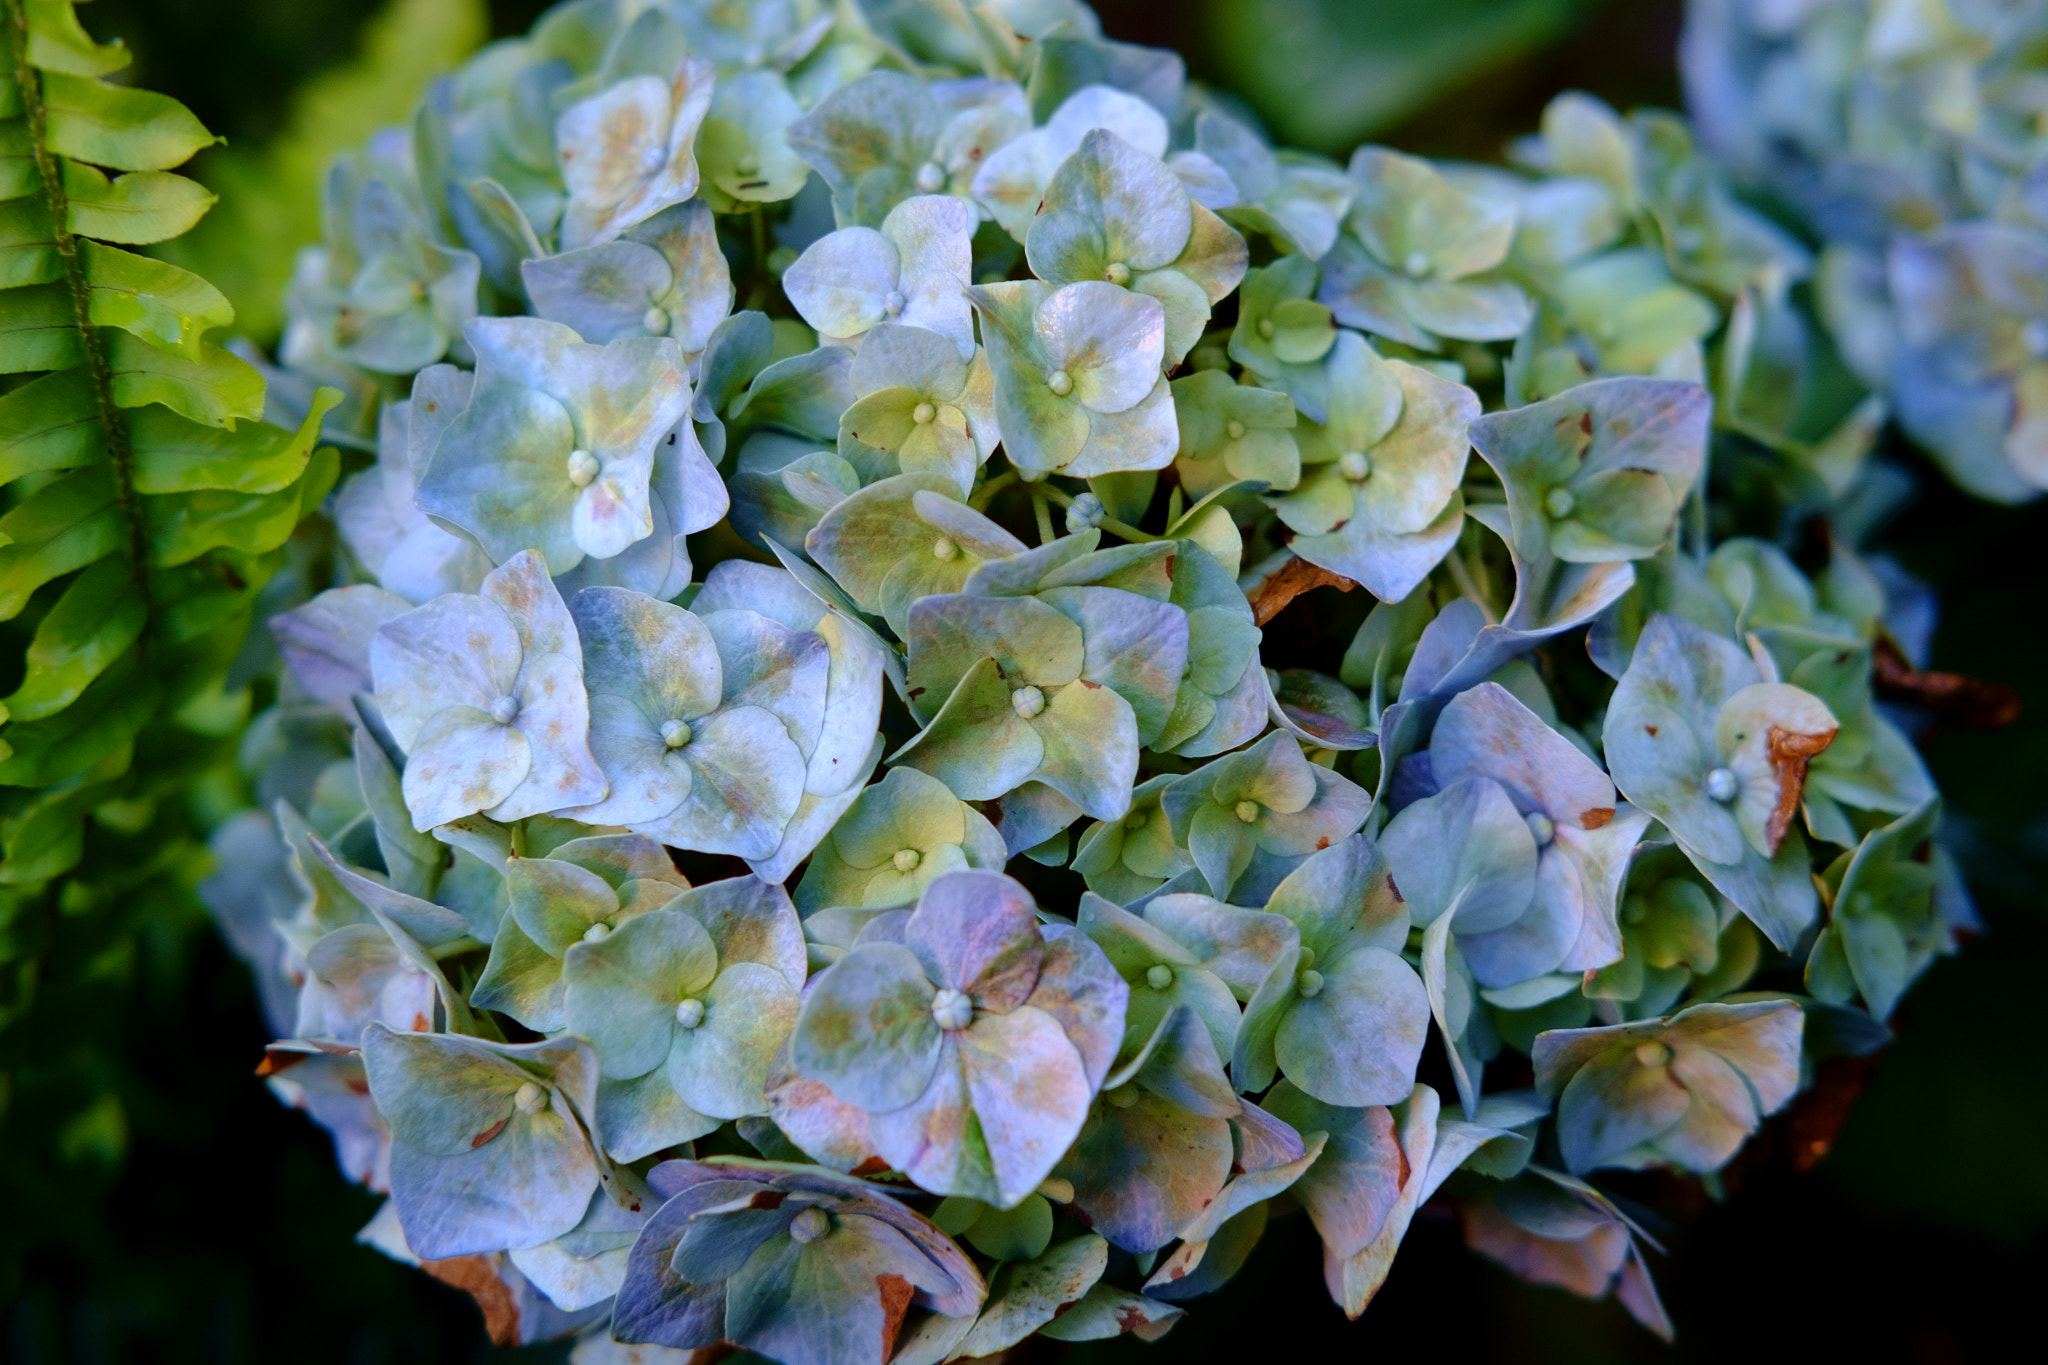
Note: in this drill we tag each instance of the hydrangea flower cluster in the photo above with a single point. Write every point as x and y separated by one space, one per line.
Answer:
827 471
1910 138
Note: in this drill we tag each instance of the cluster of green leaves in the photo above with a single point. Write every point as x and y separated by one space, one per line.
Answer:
146 506
633 583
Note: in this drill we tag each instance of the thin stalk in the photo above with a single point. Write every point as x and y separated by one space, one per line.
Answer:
1462 576
986 494
1046 535
1121 530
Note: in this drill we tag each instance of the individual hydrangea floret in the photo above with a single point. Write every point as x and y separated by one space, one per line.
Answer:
484 694
896 837
557 448
1233 433
1013 178
974 1021
1078 385
912 270
1250 817
662 277
918 409
629 151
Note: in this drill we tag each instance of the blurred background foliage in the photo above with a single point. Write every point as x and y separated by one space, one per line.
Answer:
156 1205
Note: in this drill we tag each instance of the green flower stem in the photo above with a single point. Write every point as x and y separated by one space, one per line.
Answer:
986 494
1046 534
1468 587
1121 530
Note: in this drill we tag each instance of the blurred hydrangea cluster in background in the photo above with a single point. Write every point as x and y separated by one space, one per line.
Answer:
818 467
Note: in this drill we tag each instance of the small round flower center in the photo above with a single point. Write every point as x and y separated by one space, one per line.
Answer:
1159 976
931 177
1653 1053
582 467
1307 959
1123 1097
810 1225
2035 336
653 157
655 321
1027 701
893 302
1247 811
1117 273
944 548
504 709
597 933
1137 819
1266 328
1309 983
1559 502
1416 264
1541 828
952 1009
1234 430
906 859
1085 513
1355 465
748 165
1060 382
530 1098
923 413
1721 785
675 733
690 1012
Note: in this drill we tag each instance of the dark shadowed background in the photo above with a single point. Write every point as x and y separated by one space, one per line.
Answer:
192 1219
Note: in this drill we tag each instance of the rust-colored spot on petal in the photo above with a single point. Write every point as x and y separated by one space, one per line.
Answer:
420 1023
477 1276
487 1134
1323 842
275 1061
1790 752
874 1165
1650 730
896 1293
1595 818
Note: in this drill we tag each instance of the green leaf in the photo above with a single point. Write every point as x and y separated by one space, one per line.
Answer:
96 619
218 389
183 526
18 173
173 455
28 247
58 42
160 303
50 423
39 331
138 208
62 527
128 130
110 713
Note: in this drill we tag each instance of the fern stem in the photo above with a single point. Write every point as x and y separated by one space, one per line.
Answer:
119 455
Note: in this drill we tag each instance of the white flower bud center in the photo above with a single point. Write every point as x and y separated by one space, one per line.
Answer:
1541 828
1721 785
1137 819
1559 502
530 1098
1247 811
1085 513
655 321
1060 382
1307 959
931 177
675 733
1266 328
1234 430
952 1009
597 933
1417 263
1117 273
1355 465
893 303
923 414
582 467
1123 1097
690 1012
1159 976
1027 701
1309 983
944 548
810 1225
653 157
748 165
906 859
504 709
1653 1053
